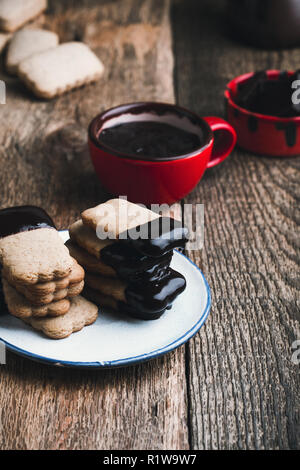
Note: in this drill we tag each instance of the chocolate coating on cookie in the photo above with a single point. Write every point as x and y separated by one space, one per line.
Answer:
149 301
157 237
131 265
22 219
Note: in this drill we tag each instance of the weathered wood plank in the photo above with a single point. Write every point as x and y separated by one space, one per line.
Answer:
243 386
44 161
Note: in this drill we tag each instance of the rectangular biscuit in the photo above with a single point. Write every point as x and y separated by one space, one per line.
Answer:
114 288
35 256
56 71
100 299
20 307
86 237
88 261
15 13
116 216
81 313
26 43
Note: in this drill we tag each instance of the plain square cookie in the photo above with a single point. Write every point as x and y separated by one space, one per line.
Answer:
26 43
88 261
86 237
100 299
115 288
82 313
15 13
35 256
116 216
56 71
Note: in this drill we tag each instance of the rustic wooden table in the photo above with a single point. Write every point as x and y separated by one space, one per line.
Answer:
233 386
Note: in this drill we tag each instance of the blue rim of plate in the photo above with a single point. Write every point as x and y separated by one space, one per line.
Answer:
128 360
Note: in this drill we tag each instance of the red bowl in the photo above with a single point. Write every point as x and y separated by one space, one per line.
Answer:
165 180
259 133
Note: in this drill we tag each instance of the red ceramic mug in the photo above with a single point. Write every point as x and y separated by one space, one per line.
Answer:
260 133
164 180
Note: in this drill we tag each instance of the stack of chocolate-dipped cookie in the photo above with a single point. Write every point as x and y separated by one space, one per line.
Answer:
126 251
41 281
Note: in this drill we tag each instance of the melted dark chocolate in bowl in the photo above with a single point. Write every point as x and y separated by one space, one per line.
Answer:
148 302
150 140
269 96
22 219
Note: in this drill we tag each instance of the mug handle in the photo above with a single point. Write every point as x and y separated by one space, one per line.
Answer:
225 142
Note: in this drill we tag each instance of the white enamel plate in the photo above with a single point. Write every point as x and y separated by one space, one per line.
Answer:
116 340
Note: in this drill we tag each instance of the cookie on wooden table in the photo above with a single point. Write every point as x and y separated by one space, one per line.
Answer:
20 307
56 71
81 313
15 13
26 43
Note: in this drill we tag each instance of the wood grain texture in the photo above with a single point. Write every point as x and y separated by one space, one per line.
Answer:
44 161
243 386
242 389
